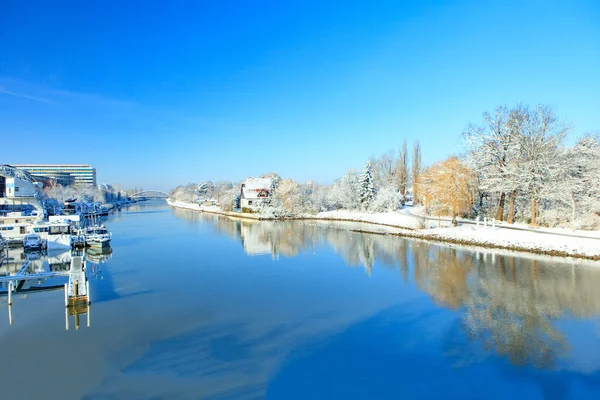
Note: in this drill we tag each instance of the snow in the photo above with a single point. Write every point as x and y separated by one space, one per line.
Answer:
391 218
521 239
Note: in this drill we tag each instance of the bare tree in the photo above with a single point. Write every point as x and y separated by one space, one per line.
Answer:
416 171
383 169
402 169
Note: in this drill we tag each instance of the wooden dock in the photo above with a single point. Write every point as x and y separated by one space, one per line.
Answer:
78 286
77 290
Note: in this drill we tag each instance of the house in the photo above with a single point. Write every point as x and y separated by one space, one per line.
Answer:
255 192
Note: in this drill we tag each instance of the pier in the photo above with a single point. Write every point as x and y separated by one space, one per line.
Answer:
76 290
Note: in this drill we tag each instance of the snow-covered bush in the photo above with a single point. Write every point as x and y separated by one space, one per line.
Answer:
344 193
387 199
275 208
229 199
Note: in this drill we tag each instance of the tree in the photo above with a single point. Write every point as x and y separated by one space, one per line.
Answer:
383 169
344 193
416 171
448 188
576 180
494 152
402 169
366 186
540 134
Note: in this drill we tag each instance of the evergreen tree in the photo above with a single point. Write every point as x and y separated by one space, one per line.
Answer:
366 186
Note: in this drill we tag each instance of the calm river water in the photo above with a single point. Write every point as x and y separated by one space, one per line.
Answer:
191 306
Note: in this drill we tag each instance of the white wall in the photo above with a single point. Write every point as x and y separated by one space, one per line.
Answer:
16 187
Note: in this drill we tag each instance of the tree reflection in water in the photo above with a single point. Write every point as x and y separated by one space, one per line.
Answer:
509 302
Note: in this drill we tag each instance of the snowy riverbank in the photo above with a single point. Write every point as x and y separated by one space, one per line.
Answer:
558 242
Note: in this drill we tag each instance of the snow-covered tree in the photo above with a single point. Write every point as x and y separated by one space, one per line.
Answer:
366 192
576 184
540 134
493 151
344 193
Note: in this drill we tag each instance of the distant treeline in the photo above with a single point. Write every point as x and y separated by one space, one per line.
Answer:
516 167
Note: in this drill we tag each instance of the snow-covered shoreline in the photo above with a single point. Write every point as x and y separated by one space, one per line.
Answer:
405 224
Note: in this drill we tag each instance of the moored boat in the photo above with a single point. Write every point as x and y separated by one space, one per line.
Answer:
58 235
97 236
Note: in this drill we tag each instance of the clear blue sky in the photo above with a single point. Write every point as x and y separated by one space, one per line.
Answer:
159 93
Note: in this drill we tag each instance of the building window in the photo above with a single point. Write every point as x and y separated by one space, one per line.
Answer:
249 202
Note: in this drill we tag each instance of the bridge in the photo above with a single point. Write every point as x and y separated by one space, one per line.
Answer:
150 194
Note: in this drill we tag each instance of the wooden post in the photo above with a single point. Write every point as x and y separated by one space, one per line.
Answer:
10 320
66 319
87 291
88 316
75 289
66 295
9 293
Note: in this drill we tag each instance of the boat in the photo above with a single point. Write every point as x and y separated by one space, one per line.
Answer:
15 225
97 236
58 235
33 241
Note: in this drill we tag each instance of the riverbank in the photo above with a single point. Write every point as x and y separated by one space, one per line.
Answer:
577 244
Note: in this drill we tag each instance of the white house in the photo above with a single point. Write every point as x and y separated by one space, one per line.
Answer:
255 192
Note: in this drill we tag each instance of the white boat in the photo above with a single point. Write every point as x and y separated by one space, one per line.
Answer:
97 236
58 235
15 225
33 241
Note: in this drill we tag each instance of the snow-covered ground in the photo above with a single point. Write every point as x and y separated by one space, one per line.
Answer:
193 206
410 222
401 219
209 209
554 242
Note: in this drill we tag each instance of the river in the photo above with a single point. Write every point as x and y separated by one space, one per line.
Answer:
195 306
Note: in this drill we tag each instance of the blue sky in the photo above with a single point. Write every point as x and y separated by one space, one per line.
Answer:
156 94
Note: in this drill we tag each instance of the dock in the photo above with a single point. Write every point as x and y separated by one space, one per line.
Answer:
77 290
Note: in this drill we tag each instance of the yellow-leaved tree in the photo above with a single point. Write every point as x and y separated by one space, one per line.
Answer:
447 188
